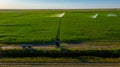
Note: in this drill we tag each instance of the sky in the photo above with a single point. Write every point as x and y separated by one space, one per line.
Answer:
58 4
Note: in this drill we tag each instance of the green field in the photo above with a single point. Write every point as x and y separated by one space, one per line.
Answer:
86 35
40 26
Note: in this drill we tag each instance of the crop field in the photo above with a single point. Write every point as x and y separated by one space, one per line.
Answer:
39 26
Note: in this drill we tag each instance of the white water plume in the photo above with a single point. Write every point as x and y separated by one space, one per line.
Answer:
95 16
58 15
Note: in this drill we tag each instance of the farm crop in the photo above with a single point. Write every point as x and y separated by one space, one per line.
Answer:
84 28
77 26
35 26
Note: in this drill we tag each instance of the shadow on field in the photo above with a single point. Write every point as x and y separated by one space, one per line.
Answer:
79 41
84 56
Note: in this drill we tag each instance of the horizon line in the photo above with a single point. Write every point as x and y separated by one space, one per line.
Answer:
55 9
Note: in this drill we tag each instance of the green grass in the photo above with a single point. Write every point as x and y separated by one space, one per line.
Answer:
38 60
35 26
82 59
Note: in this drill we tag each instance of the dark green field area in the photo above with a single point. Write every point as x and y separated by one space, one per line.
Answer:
36 26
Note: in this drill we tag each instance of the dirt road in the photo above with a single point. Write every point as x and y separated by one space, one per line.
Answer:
59 64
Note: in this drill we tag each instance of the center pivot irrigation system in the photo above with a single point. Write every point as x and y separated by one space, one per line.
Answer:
58 30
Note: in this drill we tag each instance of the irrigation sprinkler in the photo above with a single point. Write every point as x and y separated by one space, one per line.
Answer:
58 30
112 15
95 16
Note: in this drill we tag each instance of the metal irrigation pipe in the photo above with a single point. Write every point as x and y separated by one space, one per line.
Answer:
58 30
58 33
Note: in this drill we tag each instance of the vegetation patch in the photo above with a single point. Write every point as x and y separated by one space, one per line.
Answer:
32 27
